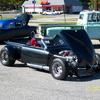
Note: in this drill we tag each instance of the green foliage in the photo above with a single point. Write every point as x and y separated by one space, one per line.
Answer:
10 4
92 4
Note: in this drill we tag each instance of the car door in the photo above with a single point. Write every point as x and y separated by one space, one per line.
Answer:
34 55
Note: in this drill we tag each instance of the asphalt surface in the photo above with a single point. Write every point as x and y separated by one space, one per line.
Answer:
24 83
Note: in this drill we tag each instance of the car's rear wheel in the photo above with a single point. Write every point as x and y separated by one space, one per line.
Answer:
6 57
58 69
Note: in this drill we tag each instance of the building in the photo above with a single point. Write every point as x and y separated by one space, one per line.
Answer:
54 5
31 6
69 6
73 6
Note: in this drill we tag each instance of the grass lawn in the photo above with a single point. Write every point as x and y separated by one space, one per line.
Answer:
69 23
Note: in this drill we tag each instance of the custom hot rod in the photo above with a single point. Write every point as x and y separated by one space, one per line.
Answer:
69 53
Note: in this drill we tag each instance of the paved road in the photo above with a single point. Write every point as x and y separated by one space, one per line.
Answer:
24 83
55 18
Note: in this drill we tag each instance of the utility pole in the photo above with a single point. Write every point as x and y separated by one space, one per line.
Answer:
33 1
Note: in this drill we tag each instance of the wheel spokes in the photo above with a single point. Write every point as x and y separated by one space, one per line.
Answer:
4 56
57 70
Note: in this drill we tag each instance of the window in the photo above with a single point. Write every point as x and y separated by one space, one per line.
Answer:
98 17
90 18
81 16
94 17
18 24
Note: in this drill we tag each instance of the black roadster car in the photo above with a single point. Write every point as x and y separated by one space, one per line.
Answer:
69 53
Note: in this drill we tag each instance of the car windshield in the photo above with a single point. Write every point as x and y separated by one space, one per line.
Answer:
58 41
53 31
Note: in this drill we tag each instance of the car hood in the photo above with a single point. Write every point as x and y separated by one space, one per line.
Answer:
24 18
80 44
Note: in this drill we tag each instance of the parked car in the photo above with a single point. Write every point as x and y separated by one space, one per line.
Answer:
16 27
90 20
50 30
48 12
69 53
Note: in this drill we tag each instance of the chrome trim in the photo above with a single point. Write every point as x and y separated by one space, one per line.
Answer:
38 66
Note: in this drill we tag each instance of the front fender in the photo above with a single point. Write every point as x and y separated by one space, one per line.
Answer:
13 52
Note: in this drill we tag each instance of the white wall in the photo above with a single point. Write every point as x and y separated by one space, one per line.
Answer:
30 10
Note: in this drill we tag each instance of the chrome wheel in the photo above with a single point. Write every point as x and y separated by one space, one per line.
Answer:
58 69
4 56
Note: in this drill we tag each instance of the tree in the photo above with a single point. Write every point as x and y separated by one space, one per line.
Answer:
85 4
92 4
10 4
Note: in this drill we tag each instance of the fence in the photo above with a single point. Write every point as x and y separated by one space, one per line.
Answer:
10 12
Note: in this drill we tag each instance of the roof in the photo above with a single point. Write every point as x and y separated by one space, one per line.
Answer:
72 2
26 3
54 2
62 2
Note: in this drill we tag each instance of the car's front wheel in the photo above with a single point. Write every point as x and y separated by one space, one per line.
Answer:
58 69
6 57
